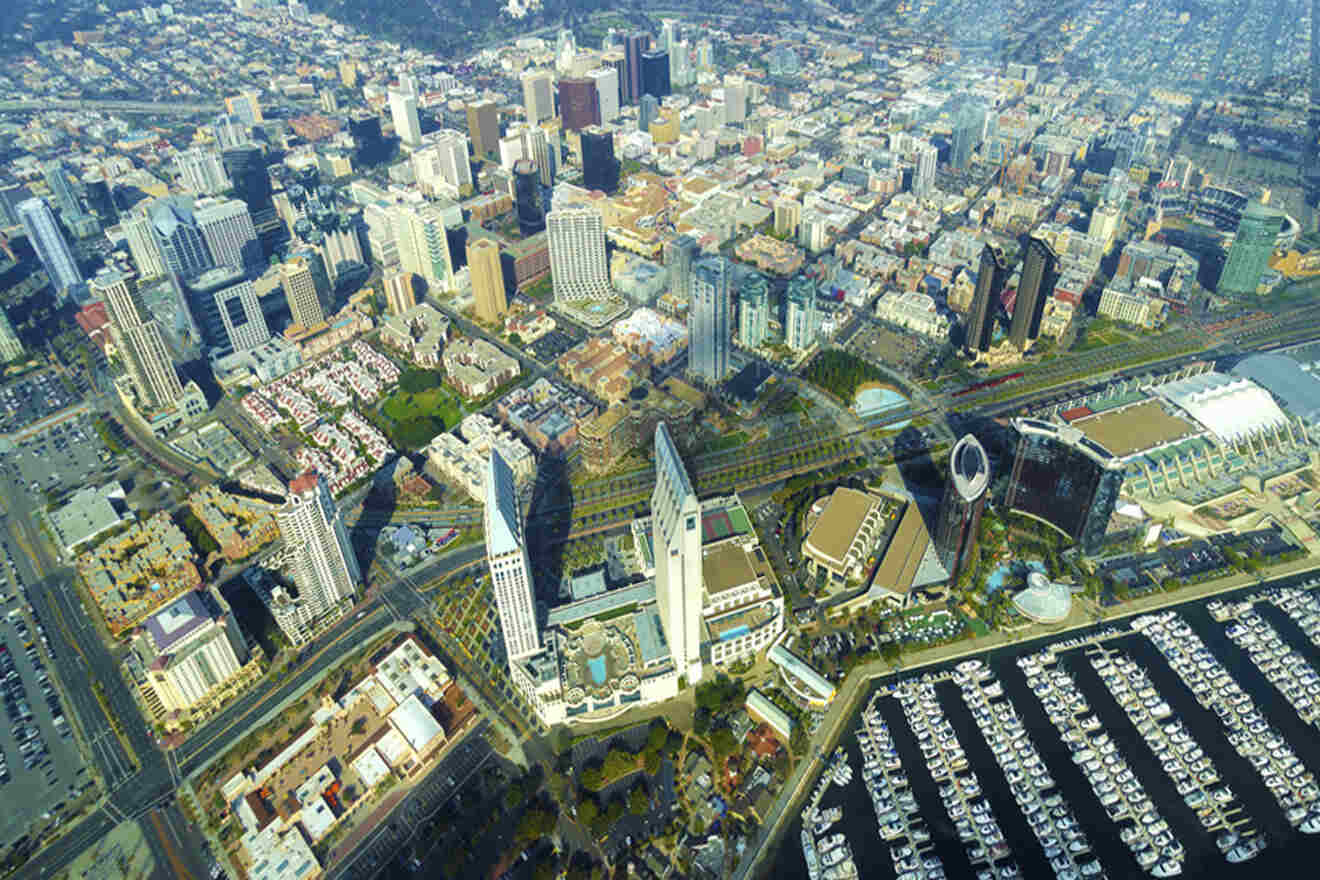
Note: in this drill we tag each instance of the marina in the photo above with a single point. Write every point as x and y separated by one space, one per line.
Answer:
1181 743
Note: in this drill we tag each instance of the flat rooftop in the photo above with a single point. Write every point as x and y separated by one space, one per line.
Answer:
725 568
1131 429
903 556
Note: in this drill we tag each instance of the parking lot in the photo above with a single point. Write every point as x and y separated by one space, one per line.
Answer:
64 456
549 347
32 398
879 344
43 770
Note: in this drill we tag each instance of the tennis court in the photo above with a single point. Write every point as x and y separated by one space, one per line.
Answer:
716 526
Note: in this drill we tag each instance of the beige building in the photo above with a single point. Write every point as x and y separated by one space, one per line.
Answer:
489 300
847 526
399 296
483 119
300 292
193 656
788 214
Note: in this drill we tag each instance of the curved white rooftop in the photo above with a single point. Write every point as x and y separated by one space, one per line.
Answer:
1297 386
970 468
1043 600
1230 407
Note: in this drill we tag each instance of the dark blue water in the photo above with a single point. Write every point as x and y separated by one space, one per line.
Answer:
1289 851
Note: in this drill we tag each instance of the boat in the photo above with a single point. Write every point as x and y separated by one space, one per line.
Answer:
1311 824
809 854
825 819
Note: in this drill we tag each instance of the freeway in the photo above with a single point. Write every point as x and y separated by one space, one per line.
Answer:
158 108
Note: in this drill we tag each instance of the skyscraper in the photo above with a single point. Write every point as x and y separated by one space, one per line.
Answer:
142 246
506 554
444 156
579 105
230 237
1034 289
138 340
668 32
538 95
655 73
240 311
633 46
483 119
61 189
423 244
676 536
607 92
1249 255
800 322
230 131
959 517
527 192
47 240
403 112
11 347
968 127
322 563
735 98
489 299
923 177
368 145
600 170
648 112
96 190
753 310
201 171
680 254
709 324
399 296
179 238
202 294
576 237
246 166
788 214
617 61
990 277
300 293
1064 479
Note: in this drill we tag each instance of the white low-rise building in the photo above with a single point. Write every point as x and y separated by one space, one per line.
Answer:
914 311
1132 307
462 461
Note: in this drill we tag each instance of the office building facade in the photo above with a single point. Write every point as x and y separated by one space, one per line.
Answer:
579 105
578 268
607 92
709 325
506 554
228 233
403 113
1065 480
538 95
240 312
634 45
300 293
399 296
483 119
527 198
655 74
201 171
321 560
680 255
990 277
600 170
959 519
1034 289
489 300
423 244
923 175
142 246
47 240
735 98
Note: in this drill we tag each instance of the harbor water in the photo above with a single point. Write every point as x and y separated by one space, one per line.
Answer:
1254 809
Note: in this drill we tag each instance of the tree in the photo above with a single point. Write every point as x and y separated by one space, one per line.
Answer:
587 809
638 800
656 736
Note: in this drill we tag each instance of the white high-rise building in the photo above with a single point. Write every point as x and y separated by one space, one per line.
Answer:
142 246
300 292
240 311
408 84
676 537
322 563
607 90
681 74
139 341
735 98
578 269
403 112
47 240
226 227
442 163
506 553
529 142
538 95
423 245
923 177
201 171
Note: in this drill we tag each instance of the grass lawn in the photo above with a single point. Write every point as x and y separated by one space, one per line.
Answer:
416 417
